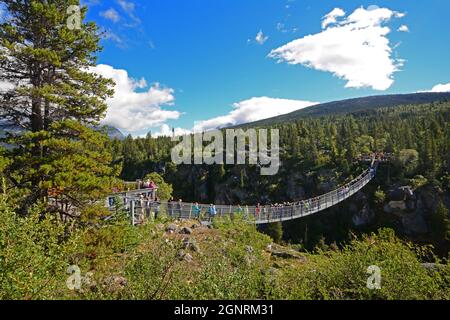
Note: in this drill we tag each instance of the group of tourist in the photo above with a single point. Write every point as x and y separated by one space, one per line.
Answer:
150 205
148 201
149 184
179 209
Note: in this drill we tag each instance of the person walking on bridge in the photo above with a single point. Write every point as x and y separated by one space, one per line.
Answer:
346 190
212 211
196 210
308 204
170 207
180 207
156 205
257 211
152 187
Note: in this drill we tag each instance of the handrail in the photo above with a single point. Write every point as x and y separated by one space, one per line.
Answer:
258 215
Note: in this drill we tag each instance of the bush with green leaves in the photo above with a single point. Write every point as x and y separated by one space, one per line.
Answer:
230 261
343 274
33 255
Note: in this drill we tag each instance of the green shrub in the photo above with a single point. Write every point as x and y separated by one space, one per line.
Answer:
343 274
33 253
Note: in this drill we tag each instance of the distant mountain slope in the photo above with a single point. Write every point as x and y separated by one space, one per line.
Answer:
112 132
354 105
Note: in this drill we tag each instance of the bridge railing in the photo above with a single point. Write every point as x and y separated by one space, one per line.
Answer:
140 207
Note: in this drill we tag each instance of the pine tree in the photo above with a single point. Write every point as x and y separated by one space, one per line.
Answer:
440 225
275 231
53 99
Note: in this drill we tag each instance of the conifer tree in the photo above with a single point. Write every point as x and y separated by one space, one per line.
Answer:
46 51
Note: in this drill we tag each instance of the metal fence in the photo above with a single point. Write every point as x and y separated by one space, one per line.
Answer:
141 208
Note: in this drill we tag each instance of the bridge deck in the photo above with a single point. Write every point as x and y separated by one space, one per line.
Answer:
262 215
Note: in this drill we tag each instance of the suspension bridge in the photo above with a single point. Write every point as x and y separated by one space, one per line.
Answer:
138 205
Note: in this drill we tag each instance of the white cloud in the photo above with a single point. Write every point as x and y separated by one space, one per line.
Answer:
127 6
354 48
166 131
403 28
331 17
110 14
132 108
253 109
441 88
109 35
261 38
281 27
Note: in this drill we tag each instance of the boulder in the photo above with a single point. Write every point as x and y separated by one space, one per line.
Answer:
287 254
186 230
191 245
114 283
188 257
401 193
183 256
433 267
429 266
392 206
171 228
88 282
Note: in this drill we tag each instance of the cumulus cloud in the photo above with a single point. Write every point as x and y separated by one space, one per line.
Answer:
403 28
136 106
110 14
442 87
260 37
166 131
331 17
354 48
253 109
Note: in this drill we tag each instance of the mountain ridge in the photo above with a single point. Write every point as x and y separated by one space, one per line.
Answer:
110 131
352 105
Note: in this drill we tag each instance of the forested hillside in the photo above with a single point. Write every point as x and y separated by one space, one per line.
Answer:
355 105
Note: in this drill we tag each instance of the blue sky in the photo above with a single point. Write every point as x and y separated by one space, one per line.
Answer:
201 59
